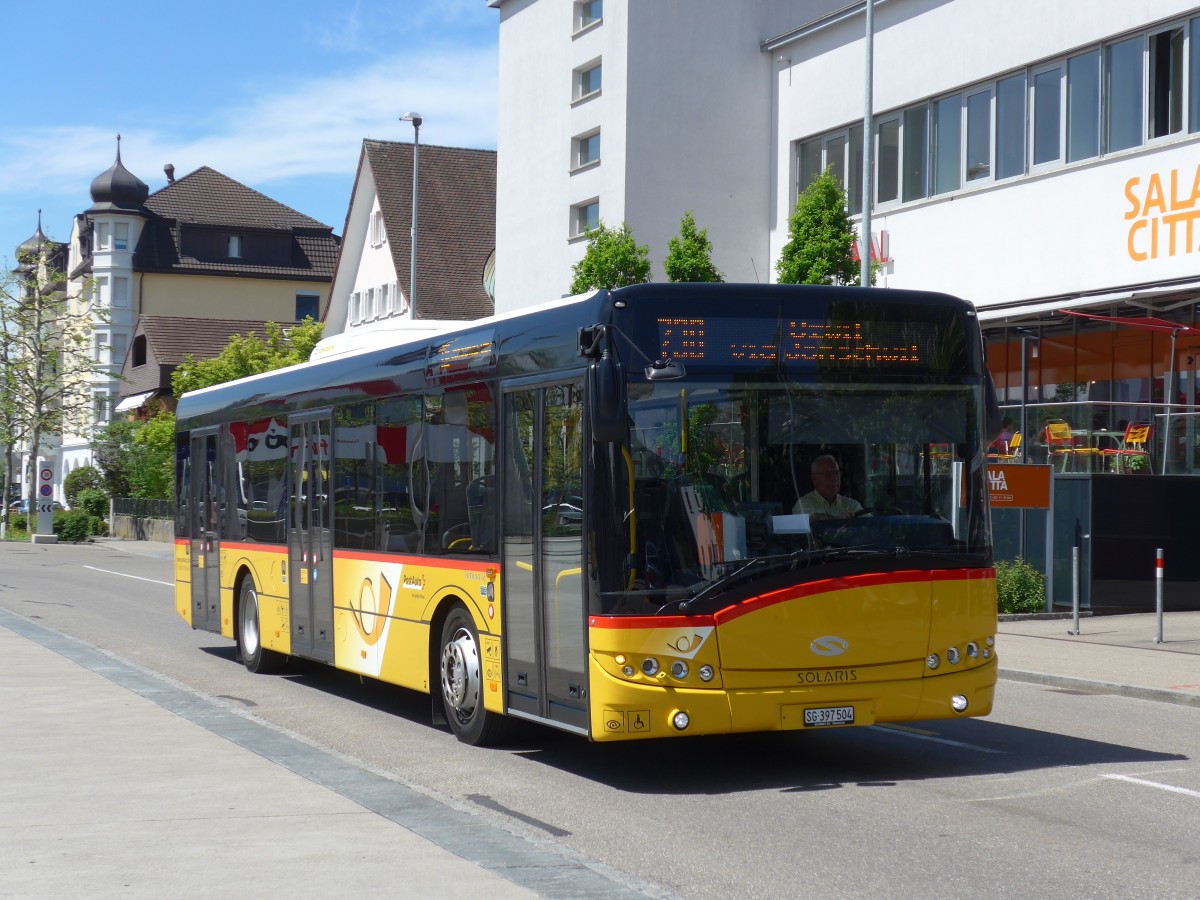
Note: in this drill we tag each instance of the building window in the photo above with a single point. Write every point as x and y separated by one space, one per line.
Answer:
1010 126
588 13
979 135
139 350
378 232
386 300
1194 76
809 164
103 236
585 150
369 311
235 246
1123 95
121 236
1083 106
916 152
584 217
354 313
118 349
947 144
101 293
1047 116
307 306
1166 83
587 81
120 291
100 348
102 407
887 180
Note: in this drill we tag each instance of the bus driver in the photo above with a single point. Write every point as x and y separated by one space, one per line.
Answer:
824 501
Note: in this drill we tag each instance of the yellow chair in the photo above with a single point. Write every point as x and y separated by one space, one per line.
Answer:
1136 442
1010 449
1061 446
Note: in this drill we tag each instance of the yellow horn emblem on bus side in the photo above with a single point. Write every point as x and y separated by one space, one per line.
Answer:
366 611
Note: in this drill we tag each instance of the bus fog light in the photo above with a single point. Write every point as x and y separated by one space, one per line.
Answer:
650 666
680 720
973 650
991 641
953 656
679 669
987 654
628 671
706 672
933 661
958 703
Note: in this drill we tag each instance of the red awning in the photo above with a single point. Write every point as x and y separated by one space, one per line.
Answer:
1147 323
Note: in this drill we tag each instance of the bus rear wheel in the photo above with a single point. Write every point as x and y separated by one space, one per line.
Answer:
255 657
460 671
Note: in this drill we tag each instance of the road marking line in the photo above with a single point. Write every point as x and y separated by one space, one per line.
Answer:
916 735
138 577
1154 784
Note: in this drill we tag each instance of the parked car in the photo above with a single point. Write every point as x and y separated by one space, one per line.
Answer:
21 507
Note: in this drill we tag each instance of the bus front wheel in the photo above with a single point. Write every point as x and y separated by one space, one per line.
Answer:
460 670
254 655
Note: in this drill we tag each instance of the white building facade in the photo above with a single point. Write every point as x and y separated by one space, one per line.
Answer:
1031 156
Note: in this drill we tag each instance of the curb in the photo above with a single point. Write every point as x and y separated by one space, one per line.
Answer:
1160 695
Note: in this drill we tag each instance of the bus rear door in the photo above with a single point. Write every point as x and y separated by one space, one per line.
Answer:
310 552
545 625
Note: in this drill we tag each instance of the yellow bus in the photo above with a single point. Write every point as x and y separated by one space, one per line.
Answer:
658 511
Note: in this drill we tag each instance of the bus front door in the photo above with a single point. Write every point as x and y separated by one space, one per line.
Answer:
310 562
545 618
205 537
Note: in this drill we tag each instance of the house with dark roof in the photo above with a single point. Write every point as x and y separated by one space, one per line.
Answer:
161 343
455 240
203 246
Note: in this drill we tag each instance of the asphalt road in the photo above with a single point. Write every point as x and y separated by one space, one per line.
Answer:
1055 794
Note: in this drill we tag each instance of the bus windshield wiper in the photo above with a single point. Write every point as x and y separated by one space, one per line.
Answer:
777 562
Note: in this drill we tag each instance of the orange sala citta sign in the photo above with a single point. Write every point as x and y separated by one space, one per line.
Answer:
1019 486
1162 210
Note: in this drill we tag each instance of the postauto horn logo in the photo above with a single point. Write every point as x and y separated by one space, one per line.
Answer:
829 645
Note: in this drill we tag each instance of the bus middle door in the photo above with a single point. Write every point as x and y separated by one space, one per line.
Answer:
545 627
204 518
310 552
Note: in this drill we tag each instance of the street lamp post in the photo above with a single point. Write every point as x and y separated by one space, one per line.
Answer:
416 120
864 238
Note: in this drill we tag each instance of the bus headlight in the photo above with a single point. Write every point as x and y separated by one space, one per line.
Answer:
680 720
650 666
973 650
679 669
953 656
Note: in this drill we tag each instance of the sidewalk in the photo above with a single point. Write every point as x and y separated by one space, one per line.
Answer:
1111 654
115 783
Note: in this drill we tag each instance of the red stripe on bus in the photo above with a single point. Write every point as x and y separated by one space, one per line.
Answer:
793 592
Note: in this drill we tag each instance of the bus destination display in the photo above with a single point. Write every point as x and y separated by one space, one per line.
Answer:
806 342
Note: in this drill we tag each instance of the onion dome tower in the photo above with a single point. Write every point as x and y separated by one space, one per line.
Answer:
117 189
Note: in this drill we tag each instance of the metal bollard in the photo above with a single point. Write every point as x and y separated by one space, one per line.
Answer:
1158 599
1075 589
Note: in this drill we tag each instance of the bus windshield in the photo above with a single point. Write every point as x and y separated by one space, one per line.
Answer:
733 482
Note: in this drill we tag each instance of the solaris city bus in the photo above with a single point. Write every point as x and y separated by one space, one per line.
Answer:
587 514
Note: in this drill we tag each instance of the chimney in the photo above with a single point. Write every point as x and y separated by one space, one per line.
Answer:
170 170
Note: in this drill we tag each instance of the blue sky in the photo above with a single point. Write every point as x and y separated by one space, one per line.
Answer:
277 94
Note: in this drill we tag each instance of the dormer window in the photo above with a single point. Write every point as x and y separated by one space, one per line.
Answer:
235 246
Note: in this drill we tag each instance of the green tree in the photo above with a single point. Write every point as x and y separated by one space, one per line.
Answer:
612 260
117 456
81 479
248 354
155 440
821 237
689 256
45 359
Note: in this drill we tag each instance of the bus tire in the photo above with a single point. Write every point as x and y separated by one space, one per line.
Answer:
249 635
460 676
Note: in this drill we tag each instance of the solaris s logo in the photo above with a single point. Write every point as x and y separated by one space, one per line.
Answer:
829 645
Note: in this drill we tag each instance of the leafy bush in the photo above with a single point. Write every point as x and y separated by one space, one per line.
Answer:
93 500
79 480
1020 587
74 525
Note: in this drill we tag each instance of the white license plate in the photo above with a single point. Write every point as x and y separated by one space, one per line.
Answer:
829 715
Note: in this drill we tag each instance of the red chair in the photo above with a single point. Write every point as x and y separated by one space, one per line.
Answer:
1135 443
